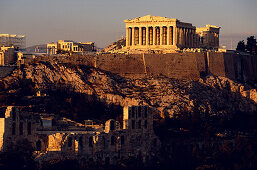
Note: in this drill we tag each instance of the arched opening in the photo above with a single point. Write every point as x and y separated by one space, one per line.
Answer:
69 142
139 124
21 128
38 145
81 141
29 128
90 141
122 140
133 124
145 112
13 128
112 140
112 125
145 124
139 111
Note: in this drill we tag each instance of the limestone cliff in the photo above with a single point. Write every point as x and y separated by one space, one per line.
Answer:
214 95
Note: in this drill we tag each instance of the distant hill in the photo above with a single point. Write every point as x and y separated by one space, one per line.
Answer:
42 48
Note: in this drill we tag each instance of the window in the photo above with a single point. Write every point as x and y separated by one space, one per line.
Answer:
139 124
13 128
90 142
112 140
145 124
29 128
21 128
133 124
122 140
69 142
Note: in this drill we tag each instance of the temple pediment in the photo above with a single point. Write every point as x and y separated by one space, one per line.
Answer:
149 18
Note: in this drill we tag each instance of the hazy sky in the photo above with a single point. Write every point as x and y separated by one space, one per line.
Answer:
101 21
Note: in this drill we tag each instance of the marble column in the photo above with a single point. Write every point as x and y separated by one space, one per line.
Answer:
127 37
154 35
140 36
181 36
168 35
147 35
161 35
175 35
184 37
133 36
191 38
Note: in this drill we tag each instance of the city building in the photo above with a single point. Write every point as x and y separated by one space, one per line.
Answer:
161 33
63 46
54 137
8 40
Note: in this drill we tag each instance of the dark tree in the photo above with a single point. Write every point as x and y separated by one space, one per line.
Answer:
241 46
251 46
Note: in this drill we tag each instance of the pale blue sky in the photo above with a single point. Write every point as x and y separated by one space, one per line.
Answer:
101 21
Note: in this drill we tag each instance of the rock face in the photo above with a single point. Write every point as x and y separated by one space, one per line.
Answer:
116 45
213 95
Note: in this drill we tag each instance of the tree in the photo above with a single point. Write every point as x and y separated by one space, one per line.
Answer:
251 45
241 46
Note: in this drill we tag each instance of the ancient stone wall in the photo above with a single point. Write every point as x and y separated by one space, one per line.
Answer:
181 65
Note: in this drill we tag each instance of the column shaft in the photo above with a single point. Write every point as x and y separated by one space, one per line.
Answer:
154 35
147 35
133 36
175 35
168 35
140 35
161 35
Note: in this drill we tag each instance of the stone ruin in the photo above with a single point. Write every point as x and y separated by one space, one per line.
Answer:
54 137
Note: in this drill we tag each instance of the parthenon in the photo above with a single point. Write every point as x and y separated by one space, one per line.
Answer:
154 32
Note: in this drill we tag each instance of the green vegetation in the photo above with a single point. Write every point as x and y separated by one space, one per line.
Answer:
250 47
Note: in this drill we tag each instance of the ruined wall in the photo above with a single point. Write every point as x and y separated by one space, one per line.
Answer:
181 65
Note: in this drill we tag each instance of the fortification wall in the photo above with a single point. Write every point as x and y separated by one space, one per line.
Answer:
180 65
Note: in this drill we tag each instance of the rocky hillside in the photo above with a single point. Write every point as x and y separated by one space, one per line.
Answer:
212 95
116 45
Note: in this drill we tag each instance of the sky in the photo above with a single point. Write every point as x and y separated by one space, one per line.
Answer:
101 21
